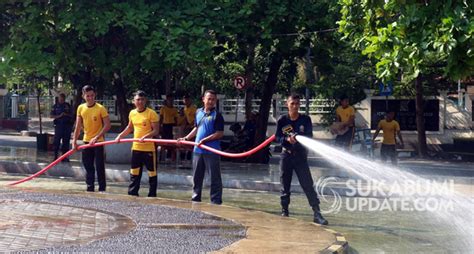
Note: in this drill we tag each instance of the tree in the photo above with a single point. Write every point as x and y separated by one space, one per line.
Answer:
112 45
410 38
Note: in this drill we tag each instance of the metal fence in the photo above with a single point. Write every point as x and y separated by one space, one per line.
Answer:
316 106
24 106
14 106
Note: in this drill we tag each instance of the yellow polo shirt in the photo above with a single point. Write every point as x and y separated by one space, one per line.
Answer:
190 114
141 122
169 114
345 113
92 120
389 131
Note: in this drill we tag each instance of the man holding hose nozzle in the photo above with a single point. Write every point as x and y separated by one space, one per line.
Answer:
294 157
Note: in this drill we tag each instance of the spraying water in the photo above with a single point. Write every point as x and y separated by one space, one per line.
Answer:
459 219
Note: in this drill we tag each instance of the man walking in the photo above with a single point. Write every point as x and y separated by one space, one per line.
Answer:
390 129
94 119
208 130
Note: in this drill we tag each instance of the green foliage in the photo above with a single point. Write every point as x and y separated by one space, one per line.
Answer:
412 36
200 43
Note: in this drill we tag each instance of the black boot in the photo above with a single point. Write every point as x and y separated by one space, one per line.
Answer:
318 217
284 211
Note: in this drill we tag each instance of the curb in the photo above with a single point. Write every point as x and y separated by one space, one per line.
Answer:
119 175
340 246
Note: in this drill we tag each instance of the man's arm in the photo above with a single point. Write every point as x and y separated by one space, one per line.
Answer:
53 116
376 134
190 135
279 133
399 134
215 136
77 132
155 129
125 132
308 128
351 121
106 123
162 115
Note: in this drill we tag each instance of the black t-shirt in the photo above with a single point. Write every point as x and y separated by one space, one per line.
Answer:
301 126
59 108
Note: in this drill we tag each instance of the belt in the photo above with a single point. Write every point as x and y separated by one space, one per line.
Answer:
294 152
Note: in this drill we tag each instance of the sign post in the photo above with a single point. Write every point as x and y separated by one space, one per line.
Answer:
386 90
239 83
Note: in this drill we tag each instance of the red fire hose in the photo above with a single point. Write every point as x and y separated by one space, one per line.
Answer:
159 141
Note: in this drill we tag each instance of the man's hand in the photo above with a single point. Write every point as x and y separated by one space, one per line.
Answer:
117 139
292 139
74 145
93 141
179 140
202 142
142 139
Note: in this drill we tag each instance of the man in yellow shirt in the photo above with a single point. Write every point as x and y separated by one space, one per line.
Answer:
168 119
189 112
391 129
345 115
94 119
190 116
143 121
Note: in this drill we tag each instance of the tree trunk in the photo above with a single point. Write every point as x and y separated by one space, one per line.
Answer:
122 105
38 97
78 80
168 82
249 71
420 120
310 77
268 90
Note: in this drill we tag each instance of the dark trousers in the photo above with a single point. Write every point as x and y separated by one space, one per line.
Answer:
389 151
299 164
345 140
210 163
167 133
140 158
62 132
89 156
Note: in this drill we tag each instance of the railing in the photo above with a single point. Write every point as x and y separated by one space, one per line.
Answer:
15 107
316 106
27 106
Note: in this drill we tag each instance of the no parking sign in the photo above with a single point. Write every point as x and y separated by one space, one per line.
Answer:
239 82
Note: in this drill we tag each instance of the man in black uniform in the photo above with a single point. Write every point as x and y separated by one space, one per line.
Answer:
294 157
62 115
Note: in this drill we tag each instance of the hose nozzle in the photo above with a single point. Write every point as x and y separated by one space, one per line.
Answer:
288 130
